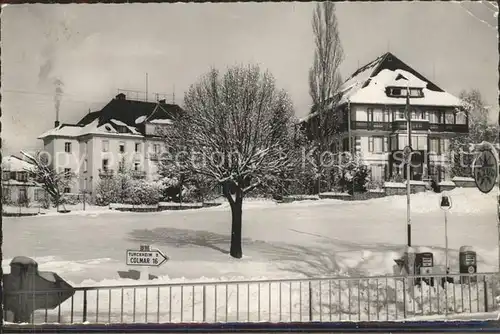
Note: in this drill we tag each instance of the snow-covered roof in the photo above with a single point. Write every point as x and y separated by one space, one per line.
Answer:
14 164
91 128
373 90
161 121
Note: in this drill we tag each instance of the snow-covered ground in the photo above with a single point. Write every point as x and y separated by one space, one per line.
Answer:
295 240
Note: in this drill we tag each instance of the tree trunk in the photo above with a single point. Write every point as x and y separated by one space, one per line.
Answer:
236 223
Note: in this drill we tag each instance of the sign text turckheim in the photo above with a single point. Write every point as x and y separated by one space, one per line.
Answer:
145 257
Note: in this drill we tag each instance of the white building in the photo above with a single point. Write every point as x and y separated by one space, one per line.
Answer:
18 186
124 134
373 119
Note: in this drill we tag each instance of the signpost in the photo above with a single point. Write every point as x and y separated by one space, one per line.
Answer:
485 171
445 205
146 257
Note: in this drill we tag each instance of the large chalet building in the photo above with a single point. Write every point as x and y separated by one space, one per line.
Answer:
373 120
125 134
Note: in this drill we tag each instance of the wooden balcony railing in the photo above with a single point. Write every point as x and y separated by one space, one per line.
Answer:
416 125
459 128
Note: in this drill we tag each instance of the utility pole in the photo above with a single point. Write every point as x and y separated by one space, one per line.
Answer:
408 169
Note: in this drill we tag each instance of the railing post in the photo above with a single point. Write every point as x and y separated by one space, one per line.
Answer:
404 297
204 304
84 305
310 302
485 294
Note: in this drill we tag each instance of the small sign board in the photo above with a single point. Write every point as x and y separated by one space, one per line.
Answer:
146 256
485 170
445 202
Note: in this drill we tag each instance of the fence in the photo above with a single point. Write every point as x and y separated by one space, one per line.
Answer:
384 298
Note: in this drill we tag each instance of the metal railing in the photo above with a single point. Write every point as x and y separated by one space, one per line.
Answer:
377 298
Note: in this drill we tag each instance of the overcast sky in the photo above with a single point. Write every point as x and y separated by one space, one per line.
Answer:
96 49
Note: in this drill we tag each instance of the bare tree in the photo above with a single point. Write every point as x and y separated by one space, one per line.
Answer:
53 182
238 131
325 81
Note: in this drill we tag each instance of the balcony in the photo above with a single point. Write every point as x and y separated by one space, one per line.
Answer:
103 173
153 156
416 125
458 128
363 125
138 174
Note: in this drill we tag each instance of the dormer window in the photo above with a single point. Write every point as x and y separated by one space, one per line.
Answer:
396 91
402 92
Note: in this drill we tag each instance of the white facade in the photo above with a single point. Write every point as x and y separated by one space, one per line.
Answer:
93 152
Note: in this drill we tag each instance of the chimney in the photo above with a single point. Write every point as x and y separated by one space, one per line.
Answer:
56 124
121 96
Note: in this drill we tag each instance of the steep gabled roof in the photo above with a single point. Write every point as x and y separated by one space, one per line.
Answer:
368 84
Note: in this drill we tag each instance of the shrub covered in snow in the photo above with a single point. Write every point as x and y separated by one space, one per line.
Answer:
143 192
355 178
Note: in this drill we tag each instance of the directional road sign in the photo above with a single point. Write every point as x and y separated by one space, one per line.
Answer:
153 258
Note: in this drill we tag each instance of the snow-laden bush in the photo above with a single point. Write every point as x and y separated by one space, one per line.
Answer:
143 192
355 177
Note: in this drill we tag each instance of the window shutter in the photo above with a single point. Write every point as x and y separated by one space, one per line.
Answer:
385 146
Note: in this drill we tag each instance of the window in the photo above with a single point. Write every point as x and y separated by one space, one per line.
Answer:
387 115
417 114
377 173
434 145
5 176
85 165
137 147
394 142
122 147
378 115
23 195
419 142
137 166
401 114
105 164
444 145
22 176
369 111
38 194
67 190
376 144
416 92
156 148
396 91
121 166
433 117
105 145
403 141
67 173
67 147
122 129
449 118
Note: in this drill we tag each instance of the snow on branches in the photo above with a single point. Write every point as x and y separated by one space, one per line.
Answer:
237 129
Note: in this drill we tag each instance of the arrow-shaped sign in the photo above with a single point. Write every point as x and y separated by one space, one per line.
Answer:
153 258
